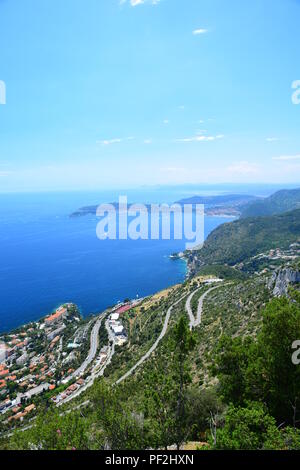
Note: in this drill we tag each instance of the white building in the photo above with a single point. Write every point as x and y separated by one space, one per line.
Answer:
114 316
118 329
3 352
22 359
212 281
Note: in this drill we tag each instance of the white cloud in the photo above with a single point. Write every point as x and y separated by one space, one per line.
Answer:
202 138
166 121
147 141
272 139
113 141
243 168
287 157
196 32
135 3
109 142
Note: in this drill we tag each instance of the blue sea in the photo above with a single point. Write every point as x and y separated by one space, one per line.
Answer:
48 258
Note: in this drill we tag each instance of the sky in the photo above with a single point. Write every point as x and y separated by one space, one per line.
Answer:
124 93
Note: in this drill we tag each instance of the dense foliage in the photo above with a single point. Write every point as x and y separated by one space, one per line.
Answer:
250 401
282 201
235 242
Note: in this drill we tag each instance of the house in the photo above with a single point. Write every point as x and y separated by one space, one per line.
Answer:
3 372
36 391
4 352
56 339
124 309
56 332
20 416
118 330
12 378
59 315
29 408
2 384
22 359
114 316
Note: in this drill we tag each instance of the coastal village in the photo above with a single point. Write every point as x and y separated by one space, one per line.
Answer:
51 359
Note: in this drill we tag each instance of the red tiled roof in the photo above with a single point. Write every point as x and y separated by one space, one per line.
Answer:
124 309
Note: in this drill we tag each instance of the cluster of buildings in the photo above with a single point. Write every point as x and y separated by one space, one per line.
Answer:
69 391
292 253
29 359
20 414
34 359
272 258
116 326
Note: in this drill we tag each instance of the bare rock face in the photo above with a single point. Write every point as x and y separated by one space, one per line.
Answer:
281 279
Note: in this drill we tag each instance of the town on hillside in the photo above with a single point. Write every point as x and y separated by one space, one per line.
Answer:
55 357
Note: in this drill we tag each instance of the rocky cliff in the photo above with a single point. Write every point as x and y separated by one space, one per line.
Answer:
281 279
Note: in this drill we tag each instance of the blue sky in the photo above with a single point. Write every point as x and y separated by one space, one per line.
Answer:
110 93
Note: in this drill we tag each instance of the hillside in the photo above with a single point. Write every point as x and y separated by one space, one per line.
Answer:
235 242
234 200
282 201
142 411
229 204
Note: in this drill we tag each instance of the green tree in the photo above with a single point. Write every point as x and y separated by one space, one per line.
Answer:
160 403
245 428
283 439
201 405
184 342
122 427
54 432
263 370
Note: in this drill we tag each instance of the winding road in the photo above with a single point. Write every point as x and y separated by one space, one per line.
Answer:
154 346
94 342
188 308
194 322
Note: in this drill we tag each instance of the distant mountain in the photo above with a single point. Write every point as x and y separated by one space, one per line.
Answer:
237 241
233 200
228 205
282 201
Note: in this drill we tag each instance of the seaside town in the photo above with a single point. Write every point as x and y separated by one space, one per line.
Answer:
56 358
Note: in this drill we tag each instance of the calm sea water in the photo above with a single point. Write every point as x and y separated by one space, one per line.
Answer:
48 258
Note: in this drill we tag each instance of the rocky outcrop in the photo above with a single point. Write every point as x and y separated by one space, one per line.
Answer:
281 279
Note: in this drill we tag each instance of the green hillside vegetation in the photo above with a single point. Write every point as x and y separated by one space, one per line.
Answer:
234 310
221 272
243 348
235 242
282 201
144 325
